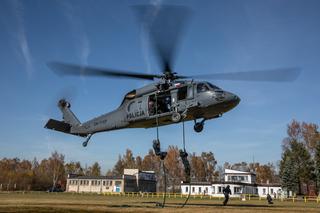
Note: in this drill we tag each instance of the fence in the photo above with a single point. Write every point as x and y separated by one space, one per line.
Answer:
244 197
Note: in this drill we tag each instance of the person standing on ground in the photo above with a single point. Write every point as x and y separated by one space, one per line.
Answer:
226 192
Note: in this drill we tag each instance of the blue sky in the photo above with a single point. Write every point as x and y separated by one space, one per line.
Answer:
223 36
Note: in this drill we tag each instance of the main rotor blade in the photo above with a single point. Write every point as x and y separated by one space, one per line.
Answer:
164 25
77 70
275 75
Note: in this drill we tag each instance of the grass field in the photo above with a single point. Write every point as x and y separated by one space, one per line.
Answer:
63 202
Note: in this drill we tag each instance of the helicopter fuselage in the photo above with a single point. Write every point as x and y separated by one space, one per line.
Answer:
150 107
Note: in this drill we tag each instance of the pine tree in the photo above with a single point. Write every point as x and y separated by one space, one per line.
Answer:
289 175
303 162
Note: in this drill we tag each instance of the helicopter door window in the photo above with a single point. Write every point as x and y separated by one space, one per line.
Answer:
190 92
202 88
182 93
152 105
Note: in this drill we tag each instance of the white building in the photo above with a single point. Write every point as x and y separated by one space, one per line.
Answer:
132 180
240 183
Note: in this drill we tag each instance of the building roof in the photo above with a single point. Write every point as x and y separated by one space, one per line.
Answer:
231 171
269 185
231 183
74 176
197 183
219 183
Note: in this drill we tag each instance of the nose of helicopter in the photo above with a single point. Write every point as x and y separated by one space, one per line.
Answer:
231 99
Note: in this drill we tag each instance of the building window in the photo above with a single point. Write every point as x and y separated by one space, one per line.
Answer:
213 189
192 189
110 182
187 188
220 189
99 183
104 183
271 191
264 191
206 190
199 189
237 190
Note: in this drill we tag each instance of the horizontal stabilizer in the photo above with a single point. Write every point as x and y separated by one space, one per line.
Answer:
61 127
58 126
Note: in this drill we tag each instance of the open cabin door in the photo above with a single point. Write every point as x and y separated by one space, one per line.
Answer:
160 104
184 98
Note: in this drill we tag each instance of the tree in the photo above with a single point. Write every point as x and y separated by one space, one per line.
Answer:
310 136
289 174
118 167
42 175
24 175
265 173
317 165
306 133
109 172
151 162
300 143
139 162
56 168
95 169
209 165
74 168
129 160
174 175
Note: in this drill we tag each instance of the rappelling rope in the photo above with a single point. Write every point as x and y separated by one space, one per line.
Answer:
157 117
184 149
162 160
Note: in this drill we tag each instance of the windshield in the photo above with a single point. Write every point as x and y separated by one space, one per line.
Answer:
214 87
202 87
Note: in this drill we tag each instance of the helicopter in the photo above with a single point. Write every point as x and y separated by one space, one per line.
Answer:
173 98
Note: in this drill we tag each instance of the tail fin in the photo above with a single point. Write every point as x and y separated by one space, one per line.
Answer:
70 121
68 115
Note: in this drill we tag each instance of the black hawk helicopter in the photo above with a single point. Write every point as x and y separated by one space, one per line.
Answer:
171 99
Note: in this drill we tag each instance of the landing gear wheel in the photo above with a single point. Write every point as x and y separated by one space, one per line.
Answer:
198 127
176 117
84 144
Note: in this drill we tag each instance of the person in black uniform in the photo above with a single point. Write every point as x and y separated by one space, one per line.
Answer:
269 199
186 164
226 192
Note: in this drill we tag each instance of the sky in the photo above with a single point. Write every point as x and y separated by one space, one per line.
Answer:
223 36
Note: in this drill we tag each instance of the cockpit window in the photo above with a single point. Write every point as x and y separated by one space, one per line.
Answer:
214 87
201 87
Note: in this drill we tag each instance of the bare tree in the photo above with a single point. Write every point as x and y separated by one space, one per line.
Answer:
56 168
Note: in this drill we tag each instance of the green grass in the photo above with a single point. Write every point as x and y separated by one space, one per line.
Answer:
64 202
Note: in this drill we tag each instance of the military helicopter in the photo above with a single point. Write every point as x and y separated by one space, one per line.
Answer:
171 99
